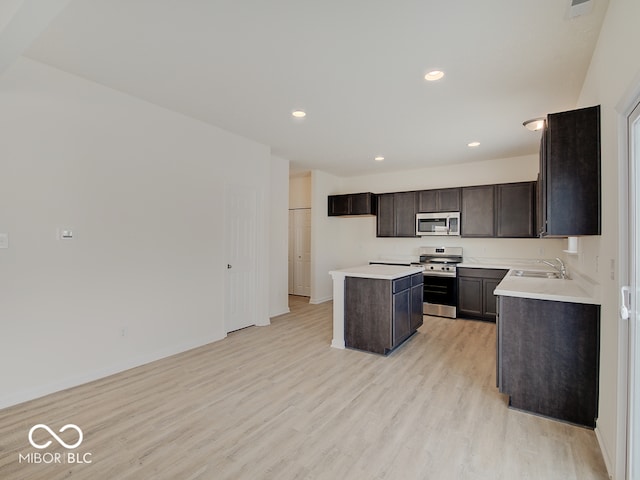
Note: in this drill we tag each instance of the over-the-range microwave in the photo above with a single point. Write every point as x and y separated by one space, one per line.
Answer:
443 223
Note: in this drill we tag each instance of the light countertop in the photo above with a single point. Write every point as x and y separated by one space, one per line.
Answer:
382 272
576 289
545 289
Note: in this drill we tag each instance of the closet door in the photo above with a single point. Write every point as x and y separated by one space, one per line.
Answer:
300 252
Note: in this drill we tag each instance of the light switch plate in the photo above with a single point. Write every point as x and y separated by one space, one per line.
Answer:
4 240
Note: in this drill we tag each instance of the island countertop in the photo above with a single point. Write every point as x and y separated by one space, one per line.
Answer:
382 272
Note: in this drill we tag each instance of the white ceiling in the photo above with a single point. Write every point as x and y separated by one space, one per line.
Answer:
355 66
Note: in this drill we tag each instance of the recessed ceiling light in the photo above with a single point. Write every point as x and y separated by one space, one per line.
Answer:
434 75
379 158
534 124
473 144
299 113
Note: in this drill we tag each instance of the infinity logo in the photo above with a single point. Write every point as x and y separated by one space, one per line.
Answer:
58 439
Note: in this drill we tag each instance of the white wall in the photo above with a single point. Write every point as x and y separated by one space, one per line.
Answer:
143 190
347 241
517 169
278 231
327 246
613 75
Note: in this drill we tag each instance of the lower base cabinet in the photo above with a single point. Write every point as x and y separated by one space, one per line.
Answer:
475 292
548 357
381 314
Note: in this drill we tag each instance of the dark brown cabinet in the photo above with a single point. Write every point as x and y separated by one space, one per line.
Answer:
441 200
478 211
515 209
352 204
475 292
396 214
570 195
381 314
548 357
505 210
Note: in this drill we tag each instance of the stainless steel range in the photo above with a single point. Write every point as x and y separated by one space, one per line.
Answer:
440 280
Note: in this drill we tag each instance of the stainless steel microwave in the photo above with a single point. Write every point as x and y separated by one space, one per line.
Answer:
444 223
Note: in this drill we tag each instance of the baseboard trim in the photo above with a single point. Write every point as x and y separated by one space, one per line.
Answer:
317 301
279 312
605 454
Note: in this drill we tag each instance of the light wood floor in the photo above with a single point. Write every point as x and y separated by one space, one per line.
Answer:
278 403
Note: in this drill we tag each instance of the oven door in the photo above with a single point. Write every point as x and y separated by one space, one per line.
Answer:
440 296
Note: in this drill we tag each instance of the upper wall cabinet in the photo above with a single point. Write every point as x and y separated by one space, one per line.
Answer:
515 209
352 204
505 210
569 190
396 214
443 200
478 211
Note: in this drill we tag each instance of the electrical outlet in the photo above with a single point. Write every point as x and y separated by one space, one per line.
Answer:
123 332
4 240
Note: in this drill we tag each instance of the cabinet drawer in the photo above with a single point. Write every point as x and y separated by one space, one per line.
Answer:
401 284
417 279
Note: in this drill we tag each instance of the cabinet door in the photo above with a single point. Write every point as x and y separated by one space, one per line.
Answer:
478 211
490 301
572 172
515 209
449 200
442 200
470 295
361 204
401 315
385 220
405 213
428 201
416 305
339 205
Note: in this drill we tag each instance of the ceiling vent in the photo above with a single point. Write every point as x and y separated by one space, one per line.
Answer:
580 7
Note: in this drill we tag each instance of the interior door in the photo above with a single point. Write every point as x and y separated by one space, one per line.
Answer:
302 252
241 227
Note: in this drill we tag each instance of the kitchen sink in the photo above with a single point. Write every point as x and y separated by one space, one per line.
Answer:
535 274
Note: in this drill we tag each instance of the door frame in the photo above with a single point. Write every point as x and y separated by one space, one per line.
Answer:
627 198
633 390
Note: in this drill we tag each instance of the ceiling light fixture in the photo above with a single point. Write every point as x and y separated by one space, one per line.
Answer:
434 75
473 144
299 114
379 158
534 124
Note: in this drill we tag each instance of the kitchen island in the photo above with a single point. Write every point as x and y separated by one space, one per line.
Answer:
376 307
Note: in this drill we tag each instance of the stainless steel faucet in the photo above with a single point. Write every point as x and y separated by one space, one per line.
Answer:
559 266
